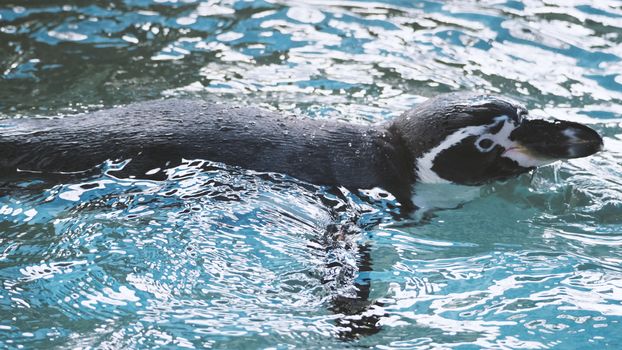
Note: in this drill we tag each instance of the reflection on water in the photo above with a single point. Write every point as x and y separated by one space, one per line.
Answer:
225 258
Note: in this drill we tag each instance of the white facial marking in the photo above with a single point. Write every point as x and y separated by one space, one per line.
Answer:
425 163
525 159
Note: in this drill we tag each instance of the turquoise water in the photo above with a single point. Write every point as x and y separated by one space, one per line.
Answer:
219 257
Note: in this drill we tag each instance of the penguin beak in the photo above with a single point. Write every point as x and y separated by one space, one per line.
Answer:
548 141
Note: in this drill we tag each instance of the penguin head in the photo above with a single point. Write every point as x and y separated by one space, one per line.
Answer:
476 139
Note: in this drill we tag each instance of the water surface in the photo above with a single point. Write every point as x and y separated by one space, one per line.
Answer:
220 257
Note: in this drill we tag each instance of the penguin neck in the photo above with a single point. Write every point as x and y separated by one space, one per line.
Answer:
352 156
431 196
394 158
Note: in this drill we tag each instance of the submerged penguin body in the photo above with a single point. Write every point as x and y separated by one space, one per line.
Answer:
462 139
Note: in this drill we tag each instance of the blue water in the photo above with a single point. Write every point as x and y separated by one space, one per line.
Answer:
220 257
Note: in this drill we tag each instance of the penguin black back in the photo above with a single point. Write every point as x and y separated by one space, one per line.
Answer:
159 134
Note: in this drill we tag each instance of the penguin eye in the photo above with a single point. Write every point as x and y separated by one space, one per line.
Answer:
484 144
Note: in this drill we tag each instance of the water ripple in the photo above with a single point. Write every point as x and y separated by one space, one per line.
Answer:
219 257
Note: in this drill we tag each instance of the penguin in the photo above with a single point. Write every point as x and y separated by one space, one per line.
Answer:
459 138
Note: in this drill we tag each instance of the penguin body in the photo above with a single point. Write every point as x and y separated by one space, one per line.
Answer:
453 139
